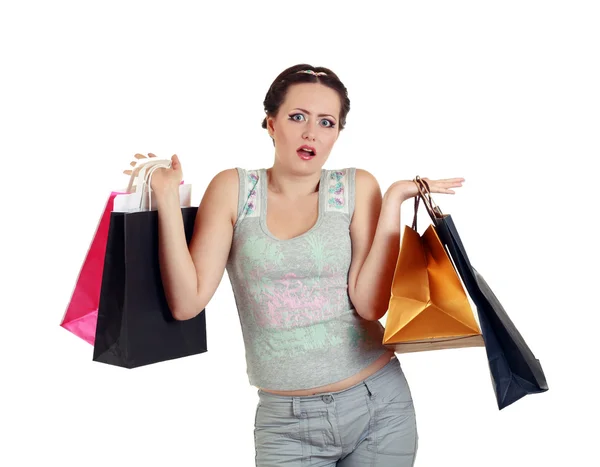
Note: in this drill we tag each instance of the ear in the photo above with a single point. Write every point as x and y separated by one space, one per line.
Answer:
270 126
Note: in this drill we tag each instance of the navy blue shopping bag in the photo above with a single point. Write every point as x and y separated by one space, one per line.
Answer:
515 370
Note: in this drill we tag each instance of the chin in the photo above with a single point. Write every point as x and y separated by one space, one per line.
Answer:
308 167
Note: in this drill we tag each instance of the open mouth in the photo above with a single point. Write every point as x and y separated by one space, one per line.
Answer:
306 152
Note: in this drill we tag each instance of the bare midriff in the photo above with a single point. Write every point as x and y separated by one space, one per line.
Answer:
343 384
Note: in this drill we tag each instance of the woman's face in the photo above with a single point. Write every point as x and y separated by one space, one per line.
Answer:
306 127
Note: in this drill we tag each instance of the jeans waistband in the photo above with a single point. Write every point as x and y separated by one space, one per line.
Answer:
358 389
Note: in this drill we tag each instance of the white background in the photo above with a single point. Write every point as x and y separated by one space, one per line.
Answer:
505 94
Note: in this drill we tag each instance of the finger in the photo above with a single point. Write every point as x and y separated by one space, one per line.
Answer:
448 190
443 192
133 163
439 184
452 180
127 172
449 179
139 156
151 155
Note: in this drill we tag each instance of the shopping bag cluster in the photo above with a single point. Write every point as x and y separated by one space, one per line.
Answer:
429 307
118 304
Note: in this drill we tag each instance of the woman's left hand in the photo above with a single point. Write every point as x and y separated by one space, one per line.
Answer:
406 189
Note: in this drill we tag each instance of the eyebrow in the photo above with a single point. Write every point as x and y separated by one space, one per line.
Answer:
320 115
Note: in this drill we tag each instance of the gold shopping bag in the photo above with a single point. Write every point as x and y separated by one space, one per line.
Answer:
429 308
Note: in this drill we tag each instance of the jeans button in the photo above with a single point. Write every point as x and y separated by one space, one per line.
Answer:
327 399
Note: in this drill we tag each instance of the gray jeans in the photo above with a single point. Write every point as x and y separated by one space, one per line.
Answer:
370 424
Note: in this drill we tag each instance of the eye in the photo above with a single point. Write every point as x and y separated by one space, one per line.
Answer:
294 117
329 124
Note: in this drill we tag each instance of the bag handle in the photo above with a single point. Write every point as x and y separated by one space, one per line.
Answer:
146 180
416 209
134 174
425 194
421 195
433 209
141 164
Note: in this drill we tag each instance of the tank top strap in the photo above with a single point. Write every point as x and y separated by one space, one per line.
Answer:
339 190
249 199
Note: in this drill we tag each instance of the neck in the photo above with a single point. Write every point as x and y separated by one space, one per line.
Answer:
292 185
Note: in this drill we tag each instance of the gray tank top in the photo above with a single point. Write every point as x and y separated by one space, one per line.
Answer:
299 326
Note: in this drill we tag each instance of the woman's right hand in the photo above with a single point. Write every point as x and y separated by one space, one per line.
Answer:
163 179
167 180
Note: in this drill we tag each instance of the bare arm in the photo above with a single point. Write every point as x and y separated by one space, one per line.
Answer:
192 274
375 232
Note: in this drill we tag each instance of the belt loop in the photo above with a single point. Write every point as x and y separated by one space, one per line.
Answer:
368 389
296 406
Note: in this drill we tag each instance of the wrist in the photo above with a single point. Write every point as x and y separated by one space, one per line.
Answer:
402 190
166 197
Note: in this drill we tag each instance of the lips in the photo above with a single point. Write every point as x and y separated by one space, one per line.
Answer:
306 151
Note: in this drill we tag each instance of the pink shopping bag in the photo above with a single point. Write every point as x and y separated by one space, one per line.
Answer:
82 311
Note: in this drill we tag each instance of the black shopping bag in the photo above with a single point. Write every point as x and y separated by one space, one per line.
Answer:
514 369
135 326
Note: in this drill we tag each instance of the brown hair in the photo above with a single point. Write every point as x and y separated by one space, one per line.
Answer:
278 90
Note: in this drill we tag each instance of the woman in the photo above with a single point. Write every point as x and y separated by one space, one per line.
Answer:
311 255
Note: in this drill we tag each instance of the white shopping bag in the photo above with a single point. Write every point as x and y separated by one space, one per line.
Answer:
141 198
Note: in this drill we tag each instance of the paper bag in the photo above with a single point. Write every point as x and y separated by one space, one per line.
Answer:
429 309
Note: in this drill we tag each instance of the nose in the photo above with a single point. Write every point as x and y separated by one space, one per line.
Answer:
309 134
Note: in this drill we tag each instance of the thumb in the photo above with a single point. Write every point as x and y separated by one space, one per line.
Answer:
175 164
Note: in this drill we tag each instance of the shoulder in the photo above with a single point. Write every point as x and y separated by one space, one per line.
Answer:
235 182
239 188
351 188
366 185
225 180
368 197
222 191
365 178
232 177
